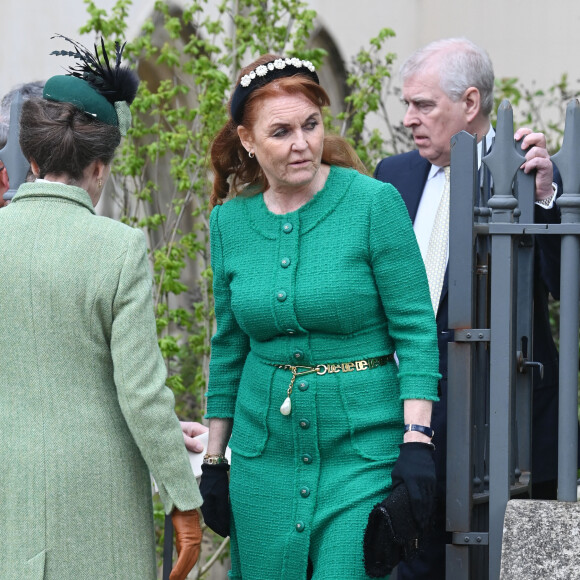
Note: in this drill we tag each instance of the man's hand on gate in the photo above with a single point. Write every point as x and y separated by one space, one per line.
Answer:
537 159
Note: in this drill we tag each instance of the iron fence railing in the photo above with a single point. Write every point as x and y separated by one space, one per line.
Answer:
491 303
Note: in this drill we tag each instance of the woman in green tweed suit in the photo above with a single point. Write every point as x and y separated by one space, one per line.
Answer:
85 415
317 281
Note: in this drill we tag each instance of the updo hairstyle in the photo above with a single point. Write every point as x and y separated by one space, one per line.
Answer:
63 140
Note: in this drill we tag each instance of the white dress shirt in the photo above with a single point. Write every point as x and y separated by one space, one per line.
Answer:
432 192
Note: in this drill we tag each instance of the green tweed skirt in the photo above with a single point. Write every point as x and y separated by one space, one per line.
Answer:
302 486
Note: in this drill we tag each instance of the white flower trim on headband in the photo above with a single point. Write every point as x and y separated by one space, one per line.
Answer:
279 63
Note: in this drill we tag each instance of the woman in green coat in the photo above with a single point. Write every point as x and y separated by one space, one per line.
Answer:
318 280
85 415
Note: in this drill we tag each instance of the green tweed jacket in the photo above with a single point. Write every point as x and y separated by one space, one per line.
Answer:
85 415
341 277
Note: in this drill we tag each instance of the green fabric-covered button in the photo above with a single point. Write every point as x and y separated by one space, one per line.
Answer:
303 385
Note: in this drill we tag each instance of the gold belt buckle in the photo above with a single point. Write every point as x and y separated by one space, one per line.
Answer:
309 370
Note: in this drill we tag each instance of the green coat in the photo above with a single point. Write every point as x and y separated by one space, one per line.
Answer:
85 415
339 280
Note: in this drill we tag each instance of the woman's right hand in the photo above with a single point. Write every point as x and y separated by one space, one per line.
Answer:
214 489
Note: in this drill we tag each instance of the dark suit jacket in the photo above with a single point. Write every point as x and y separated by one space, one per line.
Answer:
408 173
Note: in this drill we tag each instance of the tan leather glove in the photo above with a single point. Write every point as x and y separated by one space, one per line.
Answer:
187 540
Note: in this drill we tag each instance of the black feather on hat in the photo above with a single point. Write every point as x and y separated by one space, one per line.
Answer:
115 84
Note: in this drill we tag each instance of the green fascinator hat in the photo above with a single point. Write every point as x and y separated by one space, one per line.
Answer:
94 86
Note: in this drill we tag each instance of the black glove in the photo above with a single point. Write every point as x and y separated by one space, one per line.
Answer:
214 489
391 534
415 468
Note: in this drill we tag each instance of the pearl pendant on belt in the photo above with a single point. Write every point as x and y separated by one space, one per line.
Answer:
286 407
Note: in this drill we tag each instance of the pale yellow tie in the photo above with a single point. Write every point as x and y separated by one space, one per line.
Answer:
436 259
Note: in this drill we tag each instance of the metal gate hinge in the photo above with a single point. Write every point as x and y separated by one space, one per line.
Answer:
470 538
472 335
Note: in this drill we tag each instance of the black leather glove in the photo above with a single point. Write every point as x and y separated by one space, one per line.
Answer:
391 534
415 468
214 489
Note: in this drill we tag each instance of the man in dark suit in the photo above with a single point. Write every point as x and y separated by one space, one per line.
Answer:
448 88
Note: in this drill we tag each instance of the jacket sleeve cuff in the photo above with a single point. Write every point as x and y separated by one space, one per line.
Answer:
419 386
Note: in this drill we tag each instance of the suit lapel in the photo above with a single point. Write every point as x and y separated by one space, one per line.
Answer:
413 182
408 172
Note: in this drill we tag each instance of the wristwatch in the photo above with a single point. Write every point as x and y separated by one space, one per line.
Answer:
421 429
548 201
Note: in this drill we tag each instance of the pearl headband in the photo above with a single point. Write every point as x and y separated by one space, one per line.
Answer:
264 74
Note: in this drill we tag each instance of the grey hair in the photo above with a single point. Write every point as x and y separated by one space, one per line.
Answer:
27 90
463 64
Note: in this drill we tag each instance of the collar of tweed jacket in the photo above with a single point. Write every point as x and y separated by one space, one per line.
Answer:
47 189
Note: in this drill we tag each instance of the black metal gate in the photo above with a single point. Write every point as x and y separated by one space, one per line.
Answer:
491 301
